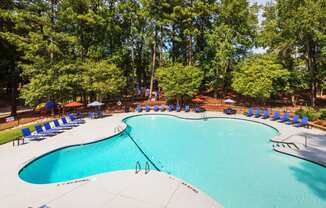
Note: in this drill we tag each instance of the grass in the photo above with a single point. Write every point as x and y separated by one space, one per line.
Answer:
11 134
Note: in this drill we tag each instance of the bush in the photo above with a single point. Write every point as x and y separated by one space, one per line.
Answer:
323 114
310 112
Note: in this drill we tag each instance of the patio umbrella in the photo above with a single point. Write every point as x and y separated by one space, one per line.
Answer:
40 106
229 101
197 100
73 104
49 105
95 104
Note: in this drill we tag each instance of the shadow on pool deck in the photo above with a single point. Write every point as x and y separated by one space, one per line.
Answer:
316 181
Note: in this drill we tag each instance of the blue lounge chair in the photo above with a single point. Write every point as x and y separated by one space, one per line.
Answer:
285 117
295 120
162 108
266 114
171 108
250 112
304 122
65 122
276 116
39 131
59 126
48 128
198 109
177 108
91 115
79 114
257 114
73 119
147 108
28 135
139 109
156 108
187 108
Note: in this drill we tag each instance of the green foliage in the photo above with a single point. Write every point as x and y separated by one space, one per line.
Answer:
231 38
260 76
311 113
102 78
179 81
323 114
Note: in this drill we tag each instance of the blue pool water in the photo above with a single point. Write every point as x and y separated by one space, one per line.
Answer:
231 160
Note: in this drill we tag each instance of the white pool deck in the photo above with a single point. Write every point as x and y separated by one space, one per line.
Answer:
122 189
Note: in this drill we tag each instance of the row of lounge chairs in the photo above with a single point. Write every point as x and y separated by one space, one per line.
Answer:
48 130
169 108
277 117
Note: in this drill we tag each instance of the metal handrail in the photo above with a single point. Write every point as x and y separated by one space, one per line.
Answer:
138 167
147 168
305 138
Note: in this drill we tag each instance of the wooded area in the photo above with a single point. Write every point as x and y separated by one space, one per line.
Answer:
63 49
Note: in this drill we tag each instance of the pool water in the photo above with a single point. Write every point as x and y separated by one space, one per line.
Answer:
231 160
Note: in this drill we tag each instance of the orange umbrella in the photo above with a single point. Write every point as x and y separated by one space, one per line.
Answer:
197 100
73 104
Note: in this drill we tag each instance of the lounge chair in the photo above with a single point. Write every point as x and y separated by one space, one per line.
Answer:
28 135
250 112
139 109
73 119
147 108
304 122
162 108
177 108
229 111
91 115
198 109
156 108
187 108
285 117
295 120
39 131
59 126
48 128
266 114
257 114
79 114
276 116
65 122
171 108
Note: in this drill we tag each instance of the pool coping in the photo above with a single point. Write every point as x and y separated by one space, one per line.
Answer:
119 122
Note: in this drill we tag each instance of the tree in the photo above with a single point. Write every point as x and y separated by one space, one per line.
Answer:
230 40
102 78
178 81
298 28
260 76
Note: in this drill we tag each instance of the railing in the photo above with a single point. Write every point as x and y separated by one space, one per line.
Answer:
147 168
203 116
118 129
138 167
305 138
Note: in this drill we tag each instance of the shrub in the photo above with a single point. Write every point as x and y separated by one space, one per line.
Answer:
310 112
323 114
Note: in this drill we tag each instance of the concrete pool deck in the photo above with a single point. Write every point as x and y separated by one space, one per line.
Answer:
120 188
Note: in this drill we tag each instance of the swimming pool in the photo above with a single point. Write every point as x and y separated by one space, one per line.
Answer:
231 160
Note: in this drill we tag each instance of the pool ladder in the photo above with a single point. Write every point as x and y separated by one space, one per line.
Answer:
204 116
118 129
138 167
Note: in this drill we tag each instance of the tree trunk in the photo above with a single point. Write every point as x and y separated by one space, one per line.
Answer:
161 47
13 97
311 68
153 67
190 51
